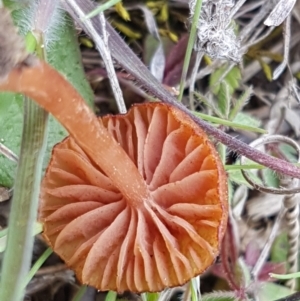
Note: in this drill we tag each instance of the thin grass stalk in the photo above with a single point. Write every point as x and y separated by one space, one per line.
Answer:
105 53
80 293
193 80
37 265
190 46
17 257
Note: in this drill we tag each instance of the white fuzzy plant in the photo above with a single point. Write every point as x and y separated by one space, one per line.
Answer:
215 30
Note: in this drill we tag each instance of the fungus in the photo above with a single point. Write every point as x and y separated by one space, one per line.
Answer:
132 202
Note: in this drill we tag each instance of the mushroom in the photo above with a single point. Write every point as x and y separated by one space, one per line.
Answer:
130 202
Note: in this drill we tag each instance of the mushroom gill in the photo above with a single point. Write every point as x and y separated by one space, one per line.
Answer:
169 235
135 202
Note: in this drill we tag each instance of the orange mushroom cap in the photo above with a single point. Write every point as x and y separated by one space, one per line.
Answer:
162 240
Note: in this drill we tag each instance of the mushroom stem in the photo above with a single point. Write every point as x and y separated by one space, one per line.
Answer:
55 94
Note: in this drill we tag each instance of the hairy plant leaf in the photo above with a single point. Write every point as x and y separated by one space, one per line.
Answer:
270 291
237 177
289 152
231 79
246 119
224 100
225 88
243 272
64 55
241 101
270 178
219 296
11 119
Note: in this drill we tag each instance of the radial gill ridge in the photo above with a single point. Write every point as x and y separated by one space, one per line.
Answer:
173 237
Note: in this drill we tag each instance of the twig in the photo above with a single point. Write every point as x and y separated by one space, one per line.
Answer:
24 204
286 48
246 31
237 6
102 44
110 69
8 153
255 39
249 7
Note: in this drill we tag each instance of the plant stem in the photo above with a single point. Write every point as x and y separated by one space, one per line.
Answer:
23 215
230 123
80 293
100 9
17 257
37 265
190 46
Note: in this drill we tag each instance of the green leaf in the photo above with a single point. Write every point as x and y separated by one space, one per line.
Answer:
289 152
101 8
243 273
225 122
270 178
224 99
246 120
240 102
280 247
266 69
232 79
195 288
237 177
272 291
111 296
64 55
11 120
225 88
37 265
80 293
152 296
